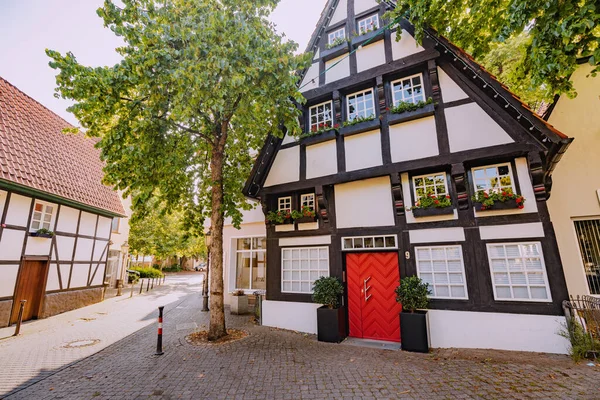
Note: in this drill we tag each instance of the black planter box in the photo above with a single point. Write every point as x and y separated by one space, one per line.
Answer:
426 111
330 54
306 220
413 331
428 212
360 127
41 235
499 205
319 137
331 324
373 36
290 222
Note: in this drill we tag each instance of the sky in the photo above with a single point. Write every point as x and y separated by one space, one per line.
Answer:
28 27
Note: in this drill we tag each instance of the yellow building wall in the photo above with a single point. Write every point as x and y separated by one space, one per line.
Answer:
576 179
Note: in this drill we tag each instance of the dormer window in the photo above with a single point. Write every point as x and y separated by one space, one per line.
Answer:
321 116
495 178
408 90
369 24
361 105
337 36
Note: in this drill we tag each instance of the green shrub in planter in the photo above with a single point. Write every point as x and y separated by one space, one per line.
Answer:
412 294
327 291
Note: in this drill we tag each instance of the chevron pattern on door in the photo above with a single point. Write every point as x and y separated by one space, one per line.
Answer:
373 313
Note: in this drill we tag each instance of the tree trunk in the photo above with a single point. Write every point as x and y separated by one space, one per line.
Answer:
217 328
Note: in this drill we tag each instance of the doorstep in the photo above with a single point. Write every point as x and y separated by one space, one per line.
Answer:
372 344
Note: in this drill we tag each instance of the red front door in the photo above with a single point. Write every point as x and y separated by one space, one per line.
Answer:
373 312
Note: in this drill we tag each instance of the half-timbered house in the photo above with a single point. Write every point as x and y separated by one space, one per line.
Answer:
388 123
55 213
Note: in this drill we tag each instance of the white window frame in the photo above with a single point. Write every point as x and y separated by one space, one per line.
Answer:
412 99
510 285
320 271
319 121
112 223
307 200
414 180
582 256
373 19
334 35
484 167
361 240
283 202
43 214
234 253
356 114
447 272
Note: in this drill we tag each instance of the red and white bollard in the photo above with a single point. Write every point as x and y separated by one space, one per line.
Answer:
159 350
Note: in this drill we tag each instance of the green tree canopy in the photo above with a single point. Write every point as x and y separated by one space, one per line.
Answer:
200 86
558 33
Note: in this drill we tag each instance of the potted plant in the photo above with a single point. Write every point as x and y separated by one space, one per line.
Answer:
430 204
497 200
412 295
281 217
331 317
305 216
43 233
239 302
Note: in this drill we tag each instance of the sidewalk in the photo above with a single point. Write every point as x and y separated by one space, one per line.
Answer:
276 364
40 349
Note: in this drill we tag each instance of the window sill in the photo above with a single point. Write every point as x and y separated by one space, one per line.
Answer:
360 127
433 211
285 227
372 36
406 116
330 54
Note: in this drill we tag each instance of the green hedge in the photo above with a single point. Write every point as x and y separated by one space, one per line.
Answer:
148 272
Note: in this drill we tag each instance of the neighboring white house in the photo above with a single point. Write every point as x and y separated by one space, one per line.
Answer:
117 259
575 202
55 213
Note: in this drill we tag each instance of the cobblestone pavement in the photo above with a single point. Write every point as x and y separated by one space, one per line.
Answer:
40 349
275 364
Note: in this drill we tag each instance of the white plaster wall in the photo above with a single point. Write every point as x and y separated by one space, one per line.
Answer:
287 139
11 244
469 127
79 275
52 283
64 245
99 277
9 279
370 56
301 317
87 226
512 231
65 273
450 89
363 150
526 191
104 227
67 220
341 12
307 82
577 172
3 196
405 47
83 251
18 210
364 5
338 72
437 235
317 54
100 250
364 203
476 330
119 238
305 241
414 139
321 159
38 246
285 168
408 203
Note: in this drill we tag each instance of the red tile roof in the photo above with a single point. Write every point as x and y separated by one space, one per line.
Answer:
35 153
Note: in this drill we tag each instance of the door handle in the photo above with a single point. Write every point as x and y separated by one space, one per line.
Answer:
366 289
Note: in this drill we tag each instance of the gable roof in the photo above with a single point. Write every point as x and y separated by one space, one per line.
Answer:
34 153
553 142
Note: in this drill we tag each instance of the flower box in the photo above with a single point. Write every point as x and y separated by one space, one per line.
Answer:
372 37
340 49
360 127
498 205
406 116
41 235
432 211
286 222
306 220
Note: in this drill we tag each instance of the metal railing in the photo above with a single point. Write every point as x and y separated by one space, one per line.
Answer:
583 322
588 236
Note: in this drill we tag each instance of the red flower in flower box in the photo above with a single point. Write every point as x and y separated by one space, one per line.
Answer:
448 197
521 207
336 126
519 200
436 202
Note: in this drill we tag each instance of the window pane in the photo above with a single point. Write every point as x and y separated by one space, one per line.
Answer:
243 271
442 266
259 270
